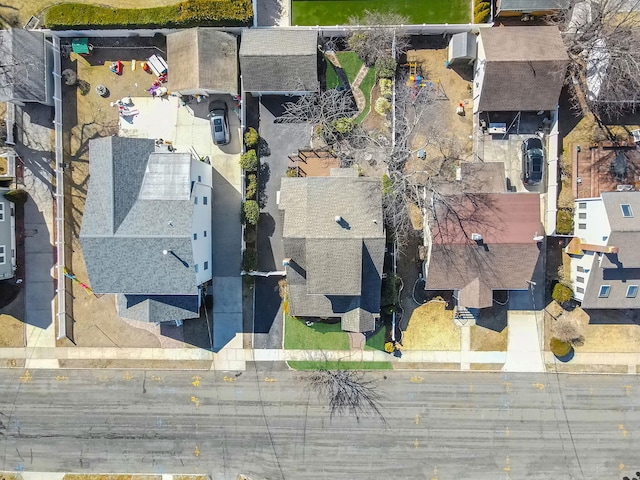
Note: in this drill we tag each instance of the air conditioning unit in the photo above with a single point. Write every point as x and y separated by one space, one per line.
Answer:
624 188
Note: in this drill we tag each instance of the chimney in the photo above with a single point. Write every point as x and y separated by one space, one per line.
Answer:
286 262
476 237
338 219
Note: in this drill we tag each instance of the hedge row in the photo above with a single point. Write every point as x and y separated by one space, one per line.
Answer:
186 14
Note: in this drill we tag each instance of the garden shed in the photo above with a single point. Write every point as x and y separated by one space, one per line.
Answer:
535 8
462 49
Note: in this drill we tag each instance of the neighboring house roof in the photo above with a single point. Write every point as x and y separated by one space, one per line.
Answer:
527 6
138 207
620 269
275 60
506 257
526 76
203 58
159 308
7 235
23 66
335 267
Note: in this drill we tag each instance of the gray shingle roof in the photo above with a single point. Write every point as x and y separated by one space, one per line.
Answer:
23 70
274 60
335 269
203 58
124 236
526 76
622 269
532 5
158 308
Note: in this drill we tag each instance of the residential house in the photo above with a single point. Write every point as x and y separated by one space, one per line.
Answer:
146 228
26 66
605 260
532 8
203 61
519 69
279 62
7 237
334 241
483 242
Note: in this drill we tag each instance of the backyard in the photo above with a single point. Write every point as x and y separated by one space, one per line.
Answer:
326 12
351 64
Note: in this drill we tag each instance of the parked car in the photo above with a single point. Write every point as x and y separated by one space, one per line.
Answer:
219 123
532 161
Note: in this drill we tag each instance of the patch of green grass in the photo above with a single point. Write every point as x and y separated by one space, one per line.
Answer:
367 84
331 77
325 365
350 63
185 14
319 336
377 341
337 12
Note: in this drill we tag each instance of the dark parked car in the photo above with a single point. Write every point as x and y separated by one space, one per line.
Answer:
219 123
532 161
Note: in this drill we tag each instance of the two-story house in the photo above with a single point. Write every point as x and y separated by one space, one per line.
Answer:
146 229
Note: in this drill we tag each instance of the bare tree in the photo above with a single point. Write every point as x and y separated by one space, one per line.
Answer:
566 327
377 41
347 392
602 39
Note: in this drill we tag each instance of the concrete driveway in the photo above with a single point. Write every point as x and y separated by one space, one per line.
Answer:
281 140
188 128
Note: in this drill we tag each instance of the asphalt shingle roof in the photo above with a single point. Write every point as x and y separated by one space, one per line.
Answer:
273 60
158 308
526 76
124 236
23 74
203 58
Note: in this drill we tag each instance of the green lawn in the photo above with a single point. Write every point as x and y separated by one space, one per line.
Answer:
377 341
319 336
351 64
320 365
331 77
337 12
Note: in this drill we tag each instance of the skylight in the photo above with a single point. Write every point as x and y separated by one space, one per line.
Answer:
604 291
626 210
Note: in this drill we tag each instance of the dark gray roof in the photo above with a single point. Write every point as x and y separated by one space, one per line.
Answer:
203 58
125 229
336 267
23 69
526 76
529 6
622 269
275 60
158 308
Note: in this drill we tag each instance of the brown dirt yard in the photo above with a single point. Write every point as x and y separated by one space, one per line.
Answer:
18 12
87 116
12 328
431 327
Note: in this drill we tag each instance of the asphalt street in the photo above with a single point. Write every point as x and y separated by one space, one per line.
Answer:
271 425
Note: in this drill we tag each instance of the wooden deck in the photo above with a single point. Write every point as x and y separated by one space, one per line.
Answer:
313 163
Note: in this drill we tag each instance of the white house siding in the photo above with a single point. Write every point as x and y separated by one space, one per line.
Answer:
596 231
478 76
201 175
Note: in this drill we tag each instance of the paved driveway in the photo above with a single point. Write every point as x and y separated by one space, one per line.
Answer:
281 140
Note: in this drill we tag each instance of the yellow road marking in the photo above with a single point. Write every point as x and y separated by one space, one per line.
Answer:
61 377
416 379
127 376
539 386
155 378
196 381
270 379
416 443
507 432
195 401
228 379
435 473
417 418
26 377
196 451
507 467
507 386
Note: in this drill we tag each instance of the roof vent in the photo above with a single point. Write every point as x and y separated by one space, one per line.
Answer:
338 219
538 238
476 237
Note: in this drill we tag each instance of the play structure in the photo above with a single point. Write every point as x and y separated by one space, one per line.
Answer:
416 80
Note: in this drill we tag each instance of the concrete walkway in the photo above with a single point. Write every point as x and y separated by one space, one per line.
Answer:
361 101
524 353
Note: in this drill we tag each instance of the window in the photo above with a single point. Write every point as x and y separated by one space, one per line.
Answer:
579 289
196 267
206 265
632 291
1 212
3 257
582 205
195 200
604 291
582 215
195 236
205 234
626 210
205 200
580 268
580 279
582 226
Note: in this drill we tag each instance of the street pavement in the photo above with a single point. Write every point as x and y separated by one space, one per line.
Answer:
270 424
282 140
